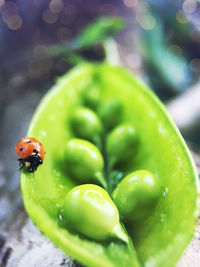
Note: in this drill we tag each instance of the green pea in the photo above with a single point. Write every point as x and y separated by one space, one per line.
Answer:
137 195
111 113
91 97
121 143
89 210
85 124
84 161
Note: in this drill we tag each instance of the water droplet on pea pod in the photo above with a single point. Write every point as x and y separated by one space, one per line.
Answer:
86 124
121 144
84 161
90 211
111 113
137 195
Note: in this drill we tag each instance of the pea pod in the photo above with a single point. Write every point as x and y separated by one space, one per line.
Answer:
159 240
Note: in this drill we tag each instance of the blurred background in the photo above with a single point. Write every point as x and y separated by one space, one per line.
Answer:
40 40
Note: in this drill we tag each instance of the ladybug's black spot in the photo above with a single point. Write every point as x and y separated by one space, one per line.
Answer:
29 141
21 149
36 151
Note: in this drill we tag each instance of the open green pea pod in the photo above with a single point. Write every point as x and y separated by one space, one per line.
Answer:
158 240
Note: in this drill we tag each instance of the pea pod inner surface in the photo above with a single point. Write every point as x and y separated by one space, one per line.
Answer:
159 240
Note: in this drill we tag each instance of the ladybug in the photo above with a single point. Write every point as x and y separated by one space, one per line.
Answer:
31 153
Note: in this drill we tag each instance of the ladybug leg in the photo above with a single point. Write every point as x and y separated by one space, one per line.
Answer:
20 167
21 163
34 161
31 163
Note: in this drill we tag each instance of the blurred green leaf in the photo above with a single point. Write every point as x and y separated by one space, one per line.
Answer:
166 69
74 58
99 30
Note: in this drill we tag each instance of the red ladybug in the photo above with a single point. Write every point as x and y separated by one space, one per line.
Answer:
31 153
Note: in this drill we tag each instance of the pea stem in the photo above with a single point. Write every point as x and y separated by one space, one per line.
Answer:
97 142
119 232
106 167
100 177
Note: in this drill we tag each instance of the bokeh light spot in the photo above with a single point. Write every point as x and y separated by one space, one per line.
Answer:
189 6
2 2
181 18
39 50
142 7
7 13
68 15
70 10
133 61
108 10
8 5
49 17
147 22
56 6
130 3
66 20
64 33
39 67
176 49
14 22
